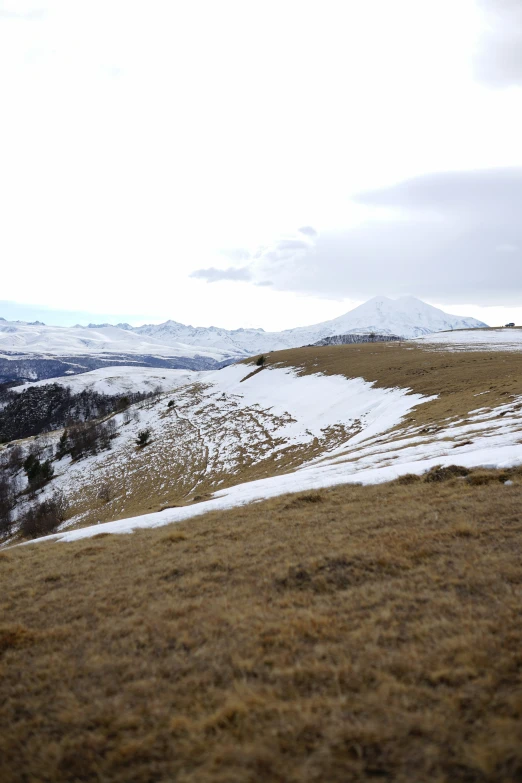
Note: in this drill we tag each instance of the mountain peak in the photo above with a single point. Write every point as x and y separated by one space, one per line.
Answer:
406 316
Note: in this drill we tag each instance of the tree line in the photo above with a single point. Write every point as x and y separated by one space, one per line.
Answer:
45 408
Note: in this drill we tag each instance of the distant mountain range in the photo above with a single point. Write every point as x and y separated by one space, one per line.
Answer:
406 317
172 344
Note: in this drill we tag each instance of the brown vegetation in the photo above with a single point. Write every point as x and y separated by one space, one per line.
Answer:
457 377
351 634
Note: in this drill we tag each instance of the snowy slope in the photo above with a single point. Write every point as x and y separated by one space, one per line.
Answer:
476 340
378 452
122 380
16 337
406 317
221 430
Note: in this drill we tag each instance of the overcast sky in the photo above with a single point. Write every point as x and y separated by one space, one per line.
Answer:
259 162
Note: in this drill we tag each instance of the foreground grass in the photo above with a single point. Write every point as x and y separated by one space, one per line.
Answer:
347 635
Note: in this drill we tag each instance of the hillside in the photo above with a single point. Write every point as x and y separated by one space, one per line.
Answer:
310 418
120 380
365 626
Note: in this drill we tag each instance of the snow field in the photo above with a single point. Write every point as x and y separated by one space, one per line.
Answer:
122 380
475 340
223 427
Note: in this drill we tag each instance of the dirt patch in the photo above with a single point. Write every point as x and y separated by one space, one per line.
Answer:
337 574
305 499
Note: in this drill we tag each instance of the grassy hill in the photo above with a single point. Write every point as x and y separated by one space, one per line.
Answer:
344 633
349 634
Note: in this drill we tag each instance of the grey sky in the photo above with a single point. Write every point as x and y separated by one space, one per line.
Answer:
279 150
449 236
499 57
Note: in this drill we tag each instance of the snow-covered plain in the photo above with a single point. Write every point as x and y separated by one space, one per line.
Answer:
378 451
508 339
122 380
58 341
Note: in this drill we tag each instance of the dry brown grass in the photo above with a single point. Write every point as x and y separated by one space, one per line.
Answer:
344 635
456 377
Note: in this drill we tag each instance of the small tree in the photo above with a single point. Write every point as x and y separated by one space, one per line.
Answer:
7 503
15 458
143 438
123 403
63 445
46 471
38 473
261 361
43 518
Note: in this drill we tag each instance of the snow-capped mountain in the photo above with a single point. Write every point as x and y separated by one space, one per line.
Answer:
172 344
406 317
30 352
84 340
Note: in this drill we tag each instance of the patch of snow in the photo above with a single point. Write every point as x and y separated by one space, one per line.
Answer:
476 340
122 380
379 451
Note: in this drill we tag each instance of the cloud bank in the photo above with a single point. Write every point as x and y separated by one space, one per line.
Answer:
213 275
451 237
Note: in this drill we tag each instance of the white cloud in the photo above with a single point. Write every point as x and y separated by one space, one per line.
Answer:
138 141
213 275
